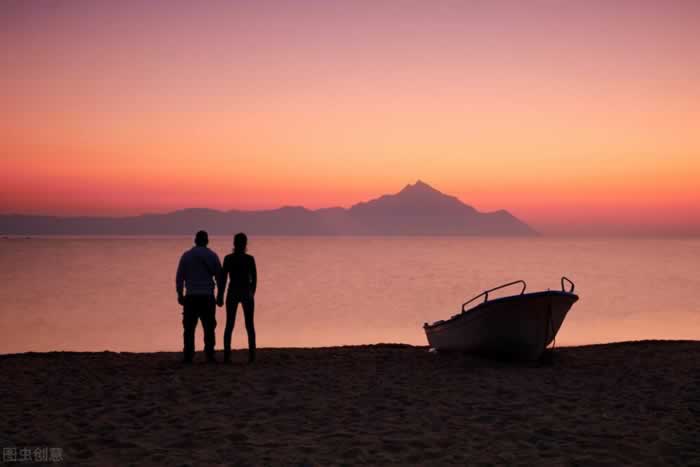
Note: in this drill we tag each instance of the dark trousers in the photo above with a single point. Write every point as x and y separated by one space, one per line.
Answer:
199 307
248 304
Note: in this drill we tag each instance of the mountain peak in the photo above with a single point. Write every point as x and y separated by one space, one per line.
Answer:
419 187
416 199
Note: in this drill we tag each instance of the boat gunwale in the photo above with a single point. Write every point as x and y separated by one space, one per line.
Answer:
485 304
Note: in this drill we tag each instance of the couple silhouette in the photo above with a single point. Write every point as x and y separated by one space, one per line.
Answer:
199 272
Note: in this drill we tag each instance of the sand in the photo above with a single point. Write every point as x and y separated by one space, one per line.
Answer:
634 403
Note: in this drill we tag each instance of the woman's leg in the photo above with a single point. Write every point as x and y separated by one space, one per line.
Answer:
231 309
248 313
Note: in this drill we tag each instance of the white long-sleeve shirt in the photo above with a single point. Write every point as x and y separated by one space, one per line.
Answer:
197 271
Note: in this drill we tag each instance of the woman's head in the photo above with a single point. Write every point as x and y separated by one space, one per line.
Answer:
240 242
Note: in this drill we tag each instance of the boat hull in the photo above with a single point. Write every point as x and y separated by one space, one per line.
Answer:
520 326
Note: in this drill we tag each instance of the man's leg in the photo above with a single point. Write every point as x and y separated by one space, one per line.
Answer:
248 313
207 314
189 324
231 309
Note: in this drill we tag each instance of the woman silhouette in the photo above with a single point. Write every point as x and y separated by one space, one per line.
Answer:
240 268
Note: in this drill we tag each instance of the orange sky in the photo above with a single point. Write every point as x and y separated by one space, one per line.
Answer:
577 116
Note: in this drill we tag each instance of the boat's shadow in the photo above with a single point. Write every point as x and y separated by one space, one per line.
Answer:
549 358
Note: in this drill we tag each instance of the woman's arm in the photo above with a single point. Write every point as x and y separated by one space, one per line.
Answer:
253 276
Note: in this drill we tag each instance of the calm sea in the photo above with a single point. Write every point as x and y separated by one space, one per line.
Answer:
93 294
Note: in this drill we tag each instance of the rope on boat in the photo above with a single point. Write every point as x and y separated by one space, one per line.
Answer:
550 327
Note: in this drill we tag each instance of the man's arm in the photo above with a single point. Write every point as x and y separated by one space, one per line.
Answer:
180 280
221 278
253 276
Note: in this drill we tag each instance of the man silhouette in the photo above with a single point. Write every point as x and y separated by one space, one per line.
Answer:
199 267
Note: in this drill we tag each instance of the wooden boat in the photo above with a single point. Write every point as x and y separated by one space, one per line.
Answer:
518 326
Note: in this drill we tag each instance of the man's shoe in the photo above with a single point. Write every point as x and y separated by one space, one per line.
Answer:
211 359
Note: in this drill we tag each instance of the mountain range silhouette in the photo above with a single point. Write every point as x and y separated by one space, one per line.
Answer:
417 209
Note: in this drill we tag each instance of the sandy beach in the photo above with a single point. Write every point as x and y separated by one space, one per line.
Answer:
635 403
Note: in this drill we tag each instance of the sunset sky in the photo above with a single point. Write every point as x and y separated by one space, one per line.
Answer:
576 116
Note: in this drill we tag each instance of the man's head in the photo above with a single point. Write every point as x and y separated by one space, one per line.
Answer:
202 238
